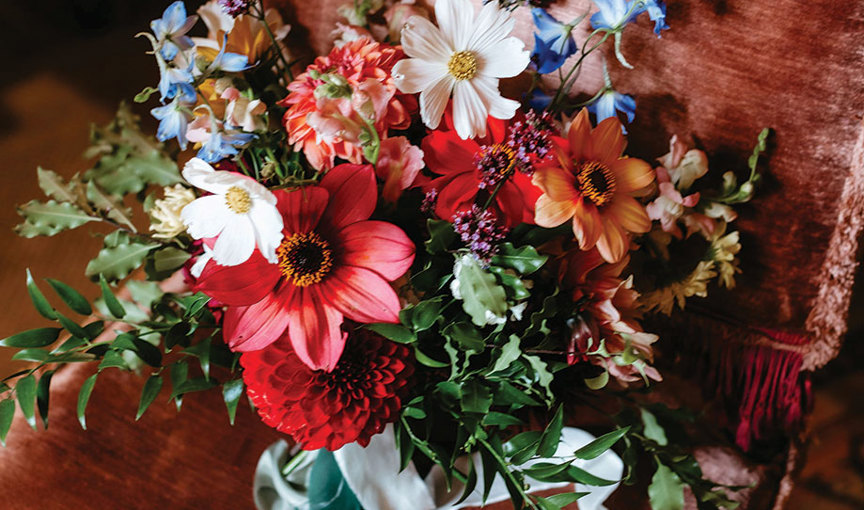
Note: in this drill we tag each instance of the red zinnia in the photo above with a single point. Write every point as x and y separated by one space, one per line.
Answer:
333 263
473 167
329 409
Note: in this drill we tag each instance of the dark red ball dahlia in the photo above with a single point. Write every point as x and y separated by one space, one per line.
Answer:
330 409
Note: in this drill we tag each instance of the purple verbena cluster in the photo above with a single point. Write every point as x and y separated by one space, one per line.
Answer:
235 8
430 200
480 230
531 140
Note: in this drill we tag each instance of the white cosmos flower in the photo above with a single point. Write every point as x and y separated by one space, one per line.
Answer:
463 56
240 212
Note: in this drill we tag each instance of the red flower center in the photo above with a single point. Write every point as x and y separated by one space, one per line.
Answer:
305 258
495 163
596 182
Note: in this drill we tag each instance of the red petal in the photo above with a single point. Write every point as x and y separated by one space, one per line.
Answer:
241 285
250 328
456 195
314 330
362 295
445 153
301 209
353 194
379 246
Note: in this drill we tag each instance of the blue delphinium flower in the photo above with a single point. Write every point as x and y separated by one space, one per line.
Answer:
614 14
553 43
539 100
223 144
173 120
229 62
174 81
170 30
609 102
657 12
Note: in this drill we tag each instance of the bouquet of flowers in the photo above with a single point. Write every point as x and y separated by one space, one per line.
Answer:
420 255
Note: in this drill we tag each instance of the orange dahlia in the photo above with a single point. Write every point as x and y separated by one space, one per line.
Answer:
357 62
589 182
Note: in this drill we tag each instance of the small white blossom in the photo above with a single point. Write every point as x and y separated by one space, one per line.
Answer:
165 214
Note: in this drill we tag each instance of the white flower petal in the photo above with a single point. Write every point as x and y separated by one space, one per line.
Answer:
422 39
413 75
433 100
201 262
236 242
197 171
456 19
469 111
492 25
268 229
206 216
499 106
504 59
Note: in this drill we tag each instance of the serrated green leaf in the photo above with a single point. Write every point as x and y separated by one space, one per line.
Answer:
25 389
43 394
598 446
653 430
71 297
231 393
115 263
39 337
56 187
510 352
7 413
476 397
666 491
39 302
394 332
110 299
524 259
466 335
83 398
542 374
480 291
148 394
170 259
516 288
552 435
49 218
111 206
144 293
441 236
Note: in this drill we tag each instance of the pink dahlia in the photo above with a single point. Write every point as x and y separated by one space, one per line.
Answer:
333 263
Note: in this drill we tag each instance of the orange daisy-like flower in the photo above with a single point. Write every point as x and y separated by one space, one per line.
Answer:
590 182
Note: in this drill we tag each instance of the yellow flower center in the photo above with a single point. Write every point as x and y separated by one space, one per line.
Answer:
305 258
462 65
238 200
596 182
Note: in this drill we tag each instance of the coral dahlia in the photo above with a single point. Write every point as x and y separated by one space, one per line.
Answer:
322 409
589 182
333 262
356 62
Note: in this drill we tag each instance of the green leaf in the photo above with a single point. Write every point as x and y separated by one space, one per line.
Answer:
552 435
144 95
509 353
37 355
201 351
395 332
666 491
501 420
144 293
523 446
179 373
49 218
543 375
148 394
26 391
151 354
39 302
84 397
599 382
566 498
524 259
43 394
113 359
7 412
56 187
170 259
112 207
465 335
111 301
598 446
423 315
231 393
441 236
192 385
39 337
507 394
115 263
480 292
513 284
426 360
476 397
653 430
71 297
579 475
71 326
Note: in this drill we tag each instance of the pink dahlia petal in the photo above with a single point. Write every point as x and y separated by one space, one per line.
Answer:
362 295
353 194
314 330
249 328
301 209
379 246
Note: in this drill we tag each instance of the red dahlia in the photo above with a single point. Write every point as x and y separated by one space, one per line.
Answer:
322 409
